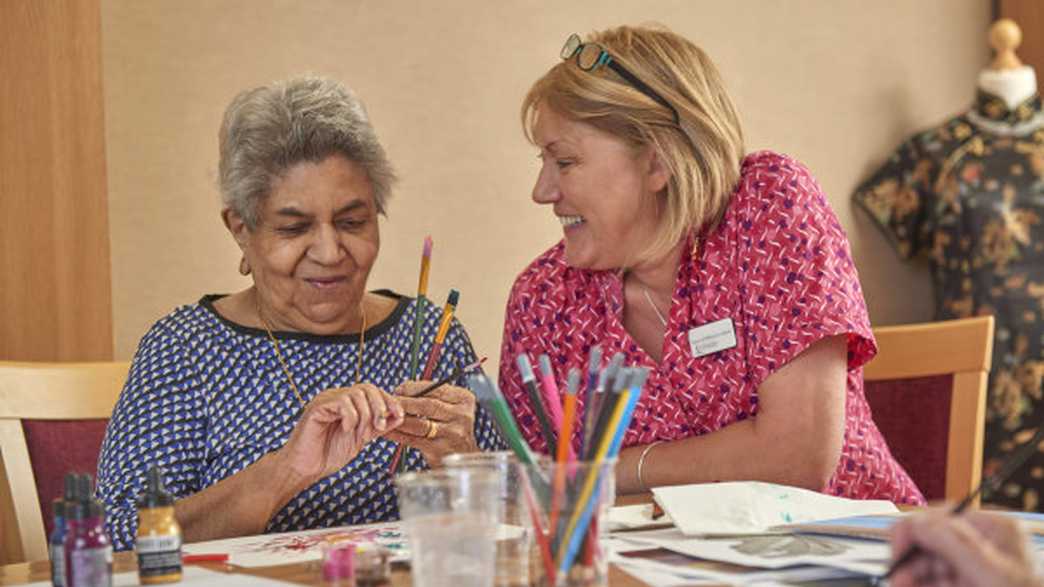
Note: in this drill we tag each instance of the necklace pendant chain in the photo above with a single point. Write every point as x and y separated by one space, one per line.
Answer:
649 299
286 368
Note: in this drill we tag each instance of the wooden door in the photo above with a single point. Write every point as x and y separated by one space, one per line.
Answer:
1029 14
54 232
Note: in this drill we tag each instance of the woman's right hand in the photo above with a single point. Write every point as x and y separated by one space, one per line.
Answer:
974 549
335 426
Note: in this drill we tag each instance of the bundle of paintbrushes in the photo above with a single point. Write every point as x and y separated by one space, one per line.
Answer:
398 463
569 495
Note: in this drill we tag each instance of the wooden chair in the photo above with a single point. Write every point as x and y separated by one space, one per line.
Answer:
927 391
52 419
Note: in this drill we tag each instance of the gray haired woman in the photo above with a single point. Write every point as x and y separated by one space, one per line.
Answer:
269 409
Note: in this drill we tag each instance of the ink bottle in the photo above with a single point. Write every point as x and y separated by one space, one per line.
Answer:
56 544
338 564
158 542
88 552
372 566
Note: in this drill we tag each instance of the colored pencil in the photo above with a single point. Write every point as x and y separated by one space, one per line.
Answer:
493 401
564 436
594 365
588 493
422 292
529 382
552 398
447 318
609 447
541 535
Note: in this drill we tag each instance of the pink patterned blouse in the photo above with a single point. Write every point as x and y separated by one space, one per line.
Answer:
778 266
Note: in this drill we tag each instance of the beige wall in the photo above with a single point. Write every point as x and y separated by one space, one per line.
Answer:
834 83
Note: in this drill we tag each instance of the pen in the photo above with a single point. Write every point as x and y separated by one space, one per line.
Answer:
210 557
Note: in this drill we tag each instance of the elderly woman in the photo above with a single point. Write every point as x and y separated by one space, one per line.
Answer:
268 409
728 275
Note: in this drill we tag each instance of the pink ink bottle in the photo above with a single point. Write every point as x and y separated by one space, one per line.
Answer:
88 552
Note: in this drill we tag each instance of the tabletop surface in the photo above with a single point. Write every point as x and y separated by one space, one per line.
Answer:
300 573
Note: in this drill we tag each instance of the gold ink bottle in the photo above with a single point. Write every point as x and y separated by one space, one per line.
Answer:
158 542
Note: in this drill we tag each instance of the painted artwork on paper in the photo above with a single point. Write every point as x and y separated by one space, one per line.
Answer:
268 550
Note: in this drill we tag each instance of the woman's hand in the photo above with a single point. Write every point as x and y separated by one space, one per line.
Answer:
438 424
974 549
335 426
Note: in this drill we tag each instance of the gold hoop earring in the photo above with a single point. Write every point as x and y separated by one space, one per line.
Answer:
244 266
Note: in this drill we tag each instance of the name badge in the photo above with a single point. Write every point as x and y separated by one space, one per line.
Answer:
712 337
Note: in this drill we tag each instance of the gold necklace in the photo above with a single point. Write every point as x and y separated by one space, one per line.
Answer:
282 362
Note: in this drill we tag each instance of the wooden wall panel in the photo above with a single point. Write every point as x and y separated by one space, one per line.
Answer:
1029 14
55 301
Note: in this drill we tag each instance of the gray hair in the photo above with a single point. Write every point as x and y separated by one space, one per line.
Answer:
269 129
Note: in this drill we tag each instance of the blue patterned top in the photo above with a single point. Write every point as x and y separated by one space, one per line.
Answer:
206 398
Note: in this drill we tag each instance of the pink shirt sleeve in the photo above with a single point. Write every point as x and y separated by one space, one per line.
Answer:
518 339
795 263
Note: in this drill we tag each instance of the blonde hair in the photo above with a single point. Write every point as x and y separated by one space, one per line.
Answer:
702 152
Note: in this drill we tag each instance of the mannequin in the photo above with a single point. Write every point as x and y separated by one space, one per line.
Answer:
1006 77
966 196
1008 80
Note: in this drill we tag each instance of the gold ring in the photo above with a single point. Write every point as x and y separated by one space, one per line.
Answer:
433 429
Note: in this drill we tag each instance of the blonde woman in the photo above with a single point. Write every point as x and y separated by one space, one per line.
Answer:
727 274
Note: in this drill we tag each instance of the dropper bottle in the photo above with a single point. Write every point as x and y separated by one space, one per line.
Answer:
159 535
88 552
56 542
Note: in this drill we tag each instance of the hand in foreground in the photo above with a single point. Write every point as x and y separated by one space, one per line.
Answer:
335 426
438 424
973 549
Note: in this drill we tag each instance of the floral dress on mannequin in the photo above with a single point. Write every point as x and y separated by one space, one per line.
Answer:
969 196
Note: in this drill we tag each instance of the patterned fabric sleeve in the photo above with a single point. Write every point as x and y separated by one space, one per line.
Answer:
899 195
159 419
510 380
800 280
457 347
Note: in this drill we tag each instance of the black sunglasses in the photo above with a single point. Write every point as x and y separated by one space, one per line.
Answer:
591 56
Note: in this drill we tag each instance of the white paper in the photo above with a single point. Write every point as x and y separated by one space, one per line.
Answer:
750 507
192 575
774 551
682 572
266 550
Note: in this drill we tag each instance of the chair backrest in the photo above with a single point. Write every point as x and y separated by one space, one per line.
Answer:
52 420
927 391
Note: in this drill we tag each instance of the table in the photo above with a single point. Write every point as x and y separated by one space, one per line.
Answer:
301 573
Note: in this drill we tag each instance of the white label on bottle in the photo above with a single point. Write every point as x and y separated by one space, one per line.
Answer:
90 567
158 555
57 565
157 543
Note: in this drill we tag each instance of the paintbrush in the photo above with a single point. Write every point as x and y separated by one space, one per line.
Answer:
397 464
457 373
440 336
987 486
422 292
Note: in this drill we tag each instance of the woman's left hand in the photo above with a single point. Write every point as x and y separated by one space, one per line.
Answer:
438 424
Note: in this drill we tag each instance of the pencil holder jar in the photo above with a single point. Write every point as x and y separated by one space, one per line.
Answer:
568 504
